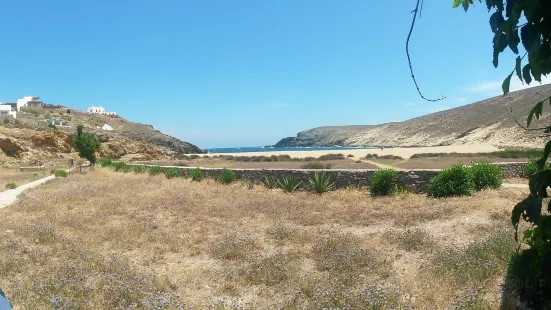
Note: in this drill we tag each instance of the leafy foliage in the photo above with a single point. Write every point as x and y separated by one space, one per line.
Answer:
155 170
532 167
60 173
322 182
289 184
383 182
531 268
454 181
227 176
11 186
172 173
196 174
105 162
87 144
270 182
486 175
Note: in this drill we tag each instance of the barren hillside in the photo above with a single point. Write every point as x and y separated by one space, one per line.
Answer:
30 140
485 122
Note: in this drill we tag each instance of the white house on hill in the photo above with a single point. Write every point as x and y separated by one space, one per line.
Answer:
7 110
107 127
99 110
28 101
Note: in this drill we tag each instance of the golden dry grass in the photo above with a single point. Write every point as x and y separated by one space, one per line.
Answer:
111 240
13 175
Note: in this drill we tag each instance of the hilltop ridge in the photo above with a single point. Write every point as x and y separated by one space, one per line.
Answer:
488 121
32 137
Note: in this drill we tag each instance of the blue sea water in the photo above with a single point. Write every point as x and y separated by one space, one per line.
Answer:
283 149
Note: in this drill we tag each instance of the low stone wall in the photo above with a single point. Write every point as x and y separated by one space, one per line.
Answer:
512 170
415 181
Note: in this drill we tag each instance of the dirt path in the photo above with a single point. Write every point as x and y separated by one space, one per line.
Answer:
379 165
9 196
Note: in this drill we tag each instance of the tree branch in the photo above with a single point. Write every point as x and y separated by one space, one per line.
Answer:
409 58
526 128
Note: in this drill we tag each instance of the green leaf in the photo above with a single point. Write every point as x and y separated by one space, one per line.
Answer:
529 8
533 211
517 68
496 20
513 38
546 152
500 43
506 84
465 4
535 69
526 74
536 110
456 3
530 38
516 214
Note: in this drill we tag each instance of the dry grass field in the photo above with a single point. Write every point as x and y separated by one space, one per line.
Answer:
107 240
13 175
221 163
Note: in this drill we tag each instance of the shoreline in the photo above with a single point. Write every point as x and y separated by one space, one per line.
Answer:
404 152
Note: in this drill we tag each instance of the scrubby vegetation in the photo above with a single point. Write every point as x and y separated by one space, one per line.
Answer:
322 182
60 173
454 181
315 165
375 156
486 175
196 174
533 167
521 153
289 184
227 176
172 173
383 182
10 186
270 182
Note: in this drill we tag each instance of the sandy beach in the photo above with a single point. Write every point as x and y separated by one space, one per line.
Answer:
358 153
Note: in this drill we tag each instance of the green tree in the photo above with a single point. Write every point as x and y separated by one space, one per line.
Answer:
528 22
87 144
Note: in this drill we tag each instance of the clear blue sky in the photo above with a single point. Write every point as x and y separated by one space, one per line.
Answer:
245 73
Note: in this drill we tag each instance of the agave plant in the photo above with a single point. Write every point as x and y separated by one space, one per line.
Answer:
289 184
322 182
270 182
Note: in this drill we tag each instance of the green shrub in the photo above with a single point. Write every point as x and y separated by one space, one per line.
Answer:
105 162
68 111
138 168
532 167
486 175
60 173
270 182
227 176
454 181
196 174
172 173
289 184
383 182
322 182
349 155
120 166
50 125
11 186
155 170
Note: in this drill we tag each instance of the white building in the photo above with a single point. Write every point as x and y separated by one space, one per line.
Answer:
28 101
107 127
6 110
99 110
